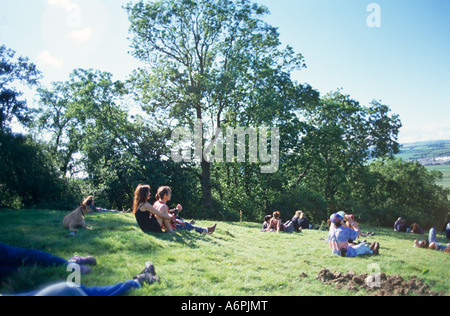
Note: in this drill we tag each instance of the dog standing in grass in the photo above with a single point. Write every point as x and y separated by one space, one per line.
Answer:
76 219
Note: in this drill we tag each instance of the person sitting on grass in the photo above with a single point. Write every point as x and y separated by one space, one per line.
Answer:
149 219
351 217
339 235
432 243
266 224
164 195
415 229
401 226
275 224
299 221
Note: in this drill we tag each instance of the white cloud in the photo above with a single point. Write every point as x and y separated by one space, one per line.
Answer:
82 36
65 4
45 58
411 133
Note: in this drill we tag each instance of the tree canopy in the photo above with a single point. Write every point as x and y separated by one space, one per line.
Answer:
219 63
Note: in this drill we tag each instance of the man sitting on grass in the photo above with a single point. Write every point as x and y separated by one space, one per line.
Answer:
340 233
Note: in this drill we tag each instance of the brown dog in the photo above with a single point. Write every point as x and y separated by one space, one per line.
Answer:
76 219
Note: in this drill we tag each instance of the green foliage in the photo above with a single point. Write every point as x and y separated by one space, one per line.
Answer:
220 62
405 189
13 73
339 137
28 177
209 60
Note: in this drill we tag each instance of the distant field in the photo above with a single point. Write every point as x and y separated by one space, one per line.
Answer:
445 169
425 150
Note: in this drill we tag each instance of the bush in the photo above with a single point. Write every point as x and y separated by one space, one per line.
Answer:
407 189
28 176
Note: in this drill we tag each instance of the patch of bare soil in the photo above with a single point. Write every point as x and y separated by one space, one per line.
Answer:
377 285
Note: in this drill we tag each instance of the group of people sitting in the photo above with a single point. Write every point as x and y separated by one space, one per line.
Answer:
158 217
273 223
401 226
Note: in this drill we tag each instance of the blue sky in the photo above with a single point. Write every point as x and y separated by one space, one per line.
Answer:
404 63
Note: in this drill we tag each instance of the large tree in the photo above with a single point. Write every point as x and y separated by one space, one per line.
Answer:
15 72
340 136
204 61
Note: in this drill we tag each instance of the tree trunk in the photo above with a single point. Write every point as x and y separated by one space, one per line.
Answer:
206 187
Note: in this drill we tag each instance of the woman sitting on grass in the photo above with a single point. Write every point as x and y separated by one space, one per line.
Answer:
275 224
148 218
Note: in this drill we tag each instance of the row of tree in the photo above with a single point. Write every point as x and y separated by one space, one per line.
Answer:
218 62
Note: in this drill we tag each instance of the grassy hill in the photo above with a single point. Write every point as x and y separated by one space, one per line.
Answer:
238 260
445 169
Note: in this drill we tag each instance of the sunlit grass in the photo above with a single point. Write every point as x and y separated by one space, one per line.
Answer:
237 260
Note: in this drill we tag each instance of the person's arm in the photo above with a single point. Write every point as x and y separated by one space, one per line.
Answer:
354 228
148 208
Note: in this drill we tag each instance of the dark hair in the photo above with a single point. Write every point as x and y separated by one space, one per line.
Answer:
140 196
162 191
267 217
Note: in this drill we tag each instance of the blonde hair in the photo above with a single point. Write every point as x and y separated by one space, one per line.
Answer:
298 214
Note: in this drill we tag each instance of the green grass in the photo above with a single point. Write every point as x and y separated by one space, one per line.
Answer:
238 260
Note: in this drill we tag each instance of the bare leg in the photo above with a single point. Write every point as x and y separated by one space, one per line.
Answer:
166 222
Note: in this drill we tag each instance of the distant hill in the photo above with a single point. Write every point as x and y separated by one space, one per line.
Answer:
427 153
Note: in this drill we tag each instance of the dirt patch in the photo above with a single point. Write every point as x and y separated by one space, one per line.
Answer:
377 285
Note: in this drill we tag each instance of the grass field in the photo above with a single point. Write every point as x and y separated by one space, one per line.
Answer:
237 260
445 169
428 149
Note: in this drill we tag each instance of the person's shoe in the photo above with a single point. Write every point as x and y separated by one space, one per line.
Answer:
85 269
83 260
343 252
148 275
192 221
375 247
212 229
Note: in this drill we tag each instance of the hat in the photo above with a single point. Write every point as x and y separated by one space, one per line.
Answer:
335 218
